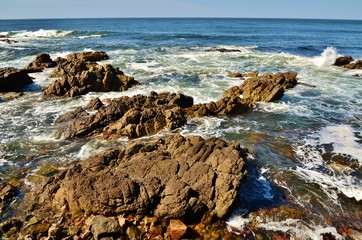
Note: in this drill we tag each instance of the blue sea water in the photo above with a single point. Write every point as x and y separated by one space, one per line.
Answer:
290 137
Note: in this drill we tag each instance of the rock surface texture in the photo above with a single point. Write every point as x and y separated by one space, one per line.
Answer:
41 62
268 87
80 74
171 177
144 115
13 79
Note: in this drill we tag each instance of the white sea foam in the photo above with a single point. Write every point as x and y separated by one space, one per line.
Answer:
39 34
4 162
327 58
343 139
90 36
89 149
297 228
286 107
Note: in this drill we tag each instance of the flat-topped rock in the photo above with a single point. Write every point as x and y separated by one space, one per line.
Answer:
170 177
13 79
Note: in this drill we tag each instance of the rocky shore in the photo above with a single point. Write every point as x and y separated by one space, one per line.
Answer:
170 187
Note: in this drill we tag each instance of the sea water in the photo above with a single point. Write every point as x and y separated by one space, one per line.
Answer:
308 145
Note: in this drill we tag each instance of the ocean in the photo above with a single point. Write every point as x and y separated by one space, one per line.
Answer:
308 145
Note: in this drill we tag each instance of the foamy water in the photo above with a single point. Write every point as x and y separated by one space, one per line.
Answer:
290 137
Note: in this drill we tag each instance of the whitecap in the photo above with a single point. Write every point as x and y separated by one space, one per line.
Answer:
39 34
327 58
90 36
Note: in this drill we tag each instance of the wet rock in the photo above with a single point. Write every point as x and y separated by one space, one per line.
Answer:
88 56
10 227
348 62
277 214
7 194
102 227
343 61
13 79
8 41
79 74
268 88
41 62
236 75
223 50
356 75
8 96
176 229
94 104
131 116
171 177
133 232
252 74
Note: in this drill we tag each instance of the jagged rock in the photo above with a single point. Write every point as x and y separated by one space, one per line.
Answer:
41 62
354 65
94 104
79 75
251 74
13 79
7 193
131 116
146 115
102 227
223 107
269 87
10 227
176 229
170 177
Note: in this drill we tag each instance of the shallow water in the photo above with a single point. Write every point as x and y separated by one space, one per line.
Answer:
308 145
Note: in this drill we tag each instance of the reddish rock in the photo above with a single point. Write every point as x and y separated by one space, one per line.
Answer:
176 229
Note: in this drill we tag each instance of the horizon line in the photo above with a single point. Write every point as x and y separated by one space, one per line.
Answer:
266 18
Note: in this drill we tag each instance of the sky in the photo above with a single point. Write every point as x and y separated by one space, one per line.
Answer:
320 9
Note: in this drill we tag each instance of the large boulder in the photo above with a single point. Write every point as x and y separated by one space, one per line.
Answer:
41 62
79 74
170 177
268 87
13 79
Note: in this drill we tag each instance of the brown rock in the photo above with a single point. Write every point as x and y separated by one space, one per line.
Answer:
176 229
94 104
236 75
171 177
223 50
7 193
79 74
13 79
252 74
341 61
268 88
354 65
41 62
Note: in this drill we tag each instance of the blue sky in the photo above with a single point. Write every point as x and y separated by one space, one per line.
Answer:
326 9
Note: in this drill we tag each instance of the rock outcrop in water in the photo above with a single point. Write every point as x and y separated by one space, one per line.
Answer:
80 74
348 62
145 115
41 62
268 87
171 177
13 79
7 194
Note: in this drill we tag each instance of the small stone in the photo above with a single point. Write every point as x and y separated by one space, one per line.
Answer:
176 229
236 75
102 226
133 233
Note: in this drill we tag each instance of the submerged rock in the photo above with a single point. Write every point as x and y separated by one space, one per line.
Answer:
268 88
41 62
79 74
171 177
13 79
